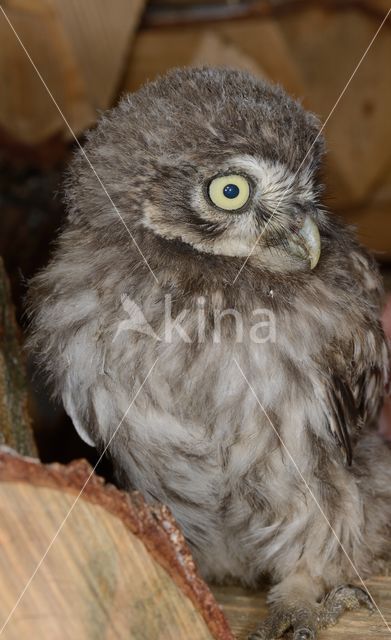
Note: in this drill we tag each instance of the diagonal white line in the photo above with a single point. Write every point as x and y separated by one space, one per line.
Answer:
74 503
78 143
311 493
314 142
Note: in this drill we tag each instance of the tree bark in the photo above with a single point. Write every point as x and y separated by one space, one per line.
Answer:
15 423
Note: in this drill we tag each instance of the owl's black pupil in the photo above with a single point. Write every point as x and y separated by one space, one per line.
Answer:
231 191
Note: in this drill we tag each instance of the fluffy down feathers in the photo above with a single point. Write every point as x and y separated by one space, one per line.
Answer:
195 436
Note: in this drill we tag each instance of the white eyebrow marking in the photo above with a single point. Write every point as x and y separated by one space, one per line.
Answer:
274 178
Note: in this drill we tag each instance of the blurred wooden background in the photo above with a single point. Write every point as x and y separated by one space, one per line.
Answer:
91 52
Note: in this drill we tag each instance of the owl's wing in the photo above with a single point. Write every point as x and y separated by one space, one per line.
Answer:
351 397
387 321
354 375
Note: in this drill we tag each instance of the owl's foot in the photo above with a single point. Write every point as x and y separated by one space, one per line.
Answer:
305 621
343 598
302 621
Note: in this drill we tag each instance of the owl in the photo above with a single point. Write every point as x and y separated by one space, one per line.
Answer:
206 320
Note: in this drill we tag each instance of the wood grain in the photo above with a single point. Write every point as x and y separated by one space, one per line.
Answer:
96 582
101 37
215 51
156 51
26 110
259 41
264 42
117 569
327 46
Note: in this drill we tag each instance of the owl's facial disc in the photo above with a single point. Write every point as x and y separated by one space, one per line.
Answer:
251 207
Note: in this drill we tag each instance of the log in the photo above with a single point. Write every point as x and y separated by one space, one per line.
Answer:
217 52
156 51
264 42
79 48
258 42
327 46
26 110
117 569
15 423
101 40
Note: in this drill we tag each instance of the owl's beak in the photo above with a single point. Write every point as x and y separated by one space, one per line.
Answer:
305 243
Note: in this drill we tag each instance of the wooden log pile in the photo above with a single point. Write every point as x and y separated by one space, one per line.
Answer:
88 56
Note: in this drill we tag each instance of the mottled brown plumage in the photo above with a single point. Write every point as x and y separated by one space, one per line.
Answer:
258 436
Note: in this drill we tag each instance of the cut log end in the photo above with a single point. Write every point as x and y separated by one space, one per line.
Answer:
117 568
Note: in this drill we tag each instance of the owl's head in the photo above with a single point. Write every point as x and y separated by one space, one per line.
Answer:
215 160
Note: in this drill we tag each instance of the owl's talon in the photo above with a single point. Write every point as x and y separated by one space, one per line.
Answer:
304 634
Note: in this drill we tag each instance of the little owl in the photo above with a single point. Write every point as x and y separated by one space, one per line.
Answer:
201 208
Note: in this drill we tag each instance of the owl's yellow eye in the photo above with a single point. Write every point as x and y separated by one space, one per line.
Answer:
229 192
